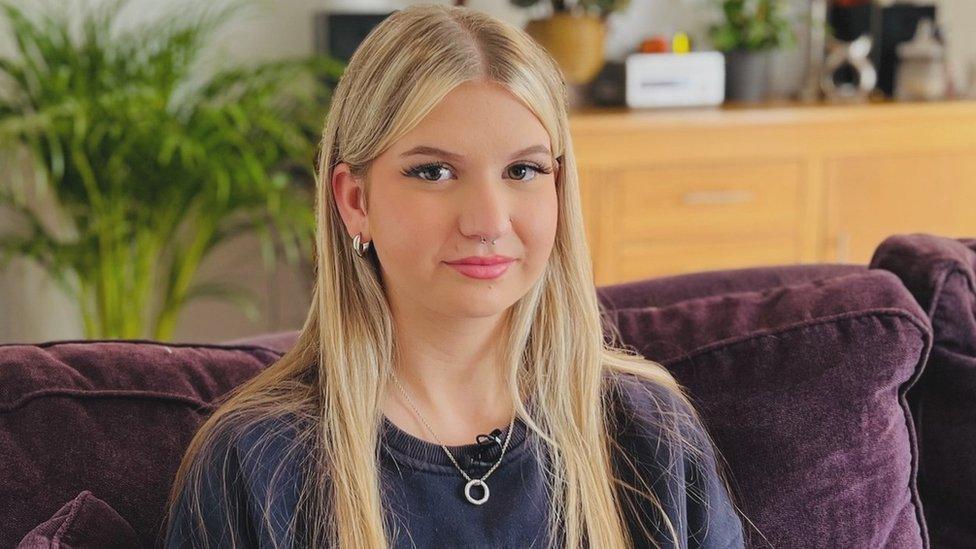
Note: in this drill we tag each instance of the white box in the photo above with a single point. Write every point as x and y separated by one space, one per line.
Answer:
675 79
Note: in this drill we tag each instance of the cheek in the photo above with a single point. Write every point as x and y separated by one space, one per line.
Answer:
405 224
539 222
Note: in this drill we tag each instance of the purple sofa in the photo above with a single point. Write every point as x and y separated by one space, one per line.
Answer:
842 399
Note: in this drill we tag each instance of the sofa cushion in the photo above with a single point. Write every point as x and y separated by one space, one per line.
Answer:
85 522
803 388
112 417
941 273
665 290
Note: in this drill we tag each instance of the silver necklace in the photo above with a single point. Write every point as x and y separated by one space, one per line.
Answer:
472 482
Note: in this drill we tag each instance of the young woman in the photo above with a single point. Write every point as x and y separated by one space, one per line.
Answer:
452 385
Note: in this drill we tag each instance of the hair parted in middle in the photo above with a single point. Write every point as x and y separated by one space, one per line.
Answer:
326 392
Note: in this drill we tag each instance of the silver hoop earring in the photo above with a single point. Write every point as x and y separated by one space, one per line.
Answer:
360 246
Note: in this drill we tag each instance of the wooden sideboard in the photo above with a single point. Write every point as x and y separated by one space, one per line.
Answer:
683 190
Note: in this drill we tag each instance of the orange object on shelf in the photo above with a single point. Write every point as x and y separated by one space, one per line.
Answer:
654 44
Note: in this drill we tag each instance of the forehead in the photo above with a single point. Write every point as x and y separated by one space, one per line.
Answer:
477 119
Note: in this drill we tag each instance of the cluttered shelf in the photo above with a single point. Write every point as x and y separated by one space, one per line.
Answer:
667 191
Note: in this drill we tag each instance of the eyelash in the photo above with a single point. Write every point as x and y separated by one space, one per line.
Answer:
415 171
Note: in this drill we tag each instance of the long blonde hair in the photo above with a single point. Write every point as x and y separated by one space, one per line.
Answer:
327 389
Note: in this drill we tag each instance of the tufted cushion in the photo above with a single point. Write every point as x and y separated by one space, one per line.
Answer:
941 273
85 522
803 386
112 417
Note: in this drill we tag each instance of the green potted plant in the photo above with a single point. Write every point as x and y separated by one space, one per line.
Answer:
574 34
748 32
152 159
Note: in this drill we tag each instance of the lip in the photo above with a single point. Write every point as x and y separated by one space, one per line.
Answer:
482 260
482 267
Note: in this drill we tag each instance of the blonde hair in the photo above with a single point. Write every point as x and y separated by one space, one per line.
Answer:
327 389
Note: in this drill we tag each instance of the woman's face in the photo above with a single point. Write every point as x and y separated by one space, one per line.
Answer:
479 165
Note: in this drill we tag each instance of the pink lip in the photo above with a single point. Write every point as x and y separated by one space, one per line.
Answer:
482 267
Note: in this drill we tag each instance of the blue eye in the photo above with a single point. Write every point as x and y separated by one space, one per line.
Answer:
434 167
534 168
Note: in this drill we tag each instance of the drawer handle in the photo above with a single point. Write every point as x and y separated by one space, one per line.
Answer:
717 197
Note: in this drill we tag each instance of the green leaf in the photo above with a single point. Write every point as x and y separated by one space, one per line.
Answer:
756 25
135 148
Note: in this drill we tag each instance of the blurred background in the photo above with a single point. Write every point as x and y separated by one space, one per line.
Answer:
156 158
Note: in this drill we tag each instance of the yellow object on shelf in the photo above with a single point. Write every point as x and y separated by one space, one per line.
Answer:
680 43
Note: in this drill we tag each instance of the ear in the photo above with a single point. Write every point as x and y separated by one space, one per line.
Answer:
348 192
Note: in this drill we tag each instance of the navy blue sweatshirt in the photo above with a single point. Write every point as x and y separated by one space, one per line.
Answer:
423 491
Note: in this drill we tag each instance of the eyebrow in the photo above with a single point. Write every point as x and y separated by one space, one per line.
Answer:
434 151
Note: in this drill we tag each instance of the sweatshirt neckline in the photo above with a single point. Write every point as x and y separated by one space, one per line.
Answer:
432 453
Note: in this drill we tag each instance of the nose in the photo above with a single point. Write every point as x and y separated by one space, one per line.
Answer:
486 209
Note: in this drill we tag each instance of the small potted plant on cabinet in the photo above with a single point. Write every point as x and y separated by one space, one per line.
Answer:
750 30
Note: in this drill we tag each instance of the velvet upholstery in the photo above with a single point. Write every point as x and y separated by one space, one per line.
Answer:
802 382
111 417
941 274
85 522
800 372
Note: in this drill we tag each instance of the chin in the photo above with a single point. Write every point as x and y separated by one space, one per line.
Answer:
481 305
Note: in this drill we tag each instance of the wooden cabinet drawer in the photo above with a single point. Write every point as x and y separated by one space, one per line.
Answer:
706 202
660 220
639 260
676 191
871 198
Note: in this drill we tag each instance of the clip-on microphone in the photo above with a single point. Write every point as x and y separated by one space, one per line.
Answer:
488 442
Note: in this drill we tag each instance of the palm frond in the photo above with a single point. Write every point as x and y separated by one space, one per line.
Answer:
141 145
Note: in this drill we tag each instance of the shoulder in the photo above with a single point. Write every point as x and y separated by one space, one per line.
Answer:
640 404
271 456
249 480
658 423
266 436
662 447
246 445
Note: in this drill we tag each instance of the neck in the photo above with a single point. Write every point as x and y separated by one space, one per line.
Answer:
453 374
